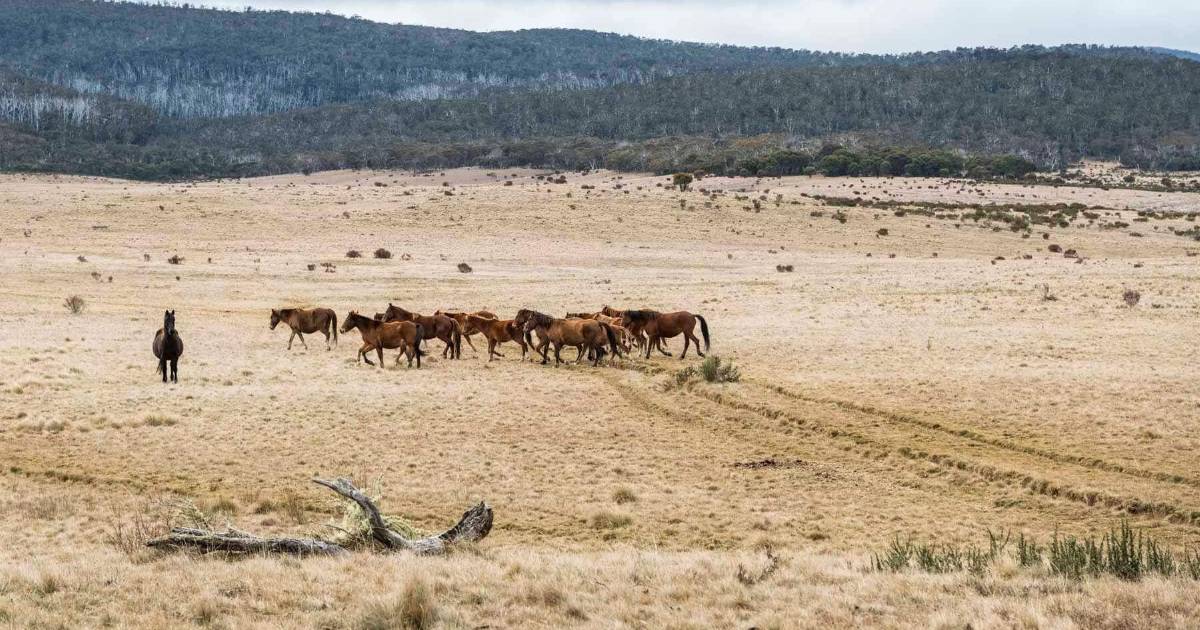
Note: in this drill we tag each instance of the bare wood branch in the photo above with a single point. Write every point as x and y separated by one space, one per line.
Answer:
475 524
240 542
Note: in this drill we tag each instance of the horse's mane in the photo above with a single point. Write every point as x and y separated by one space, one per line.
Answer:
286 311
641 315
540 319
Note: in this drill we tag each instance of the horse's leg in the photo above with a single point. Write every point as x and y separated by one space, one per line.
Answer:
379 351
327 346
557 353
686 341
290 338
468 338
302 341
162 367
660 344
492 350
696 341
175 370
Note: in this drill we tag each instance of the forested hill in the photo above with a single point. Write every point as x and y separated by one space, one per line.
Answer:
169 91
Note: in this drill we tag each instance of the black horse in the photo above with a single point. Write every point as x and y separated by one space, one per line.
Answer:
168 347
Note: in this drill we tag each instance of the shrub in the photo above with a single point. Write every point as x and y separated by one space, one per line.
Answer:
610 520
714 371
881 232
383 254
465 268
784 268
682 180
74 304
1131 297
175 260
354 253
624 495
414 610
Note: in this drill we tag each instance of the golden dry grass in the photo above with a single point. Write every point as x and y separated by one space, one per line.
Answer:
931 396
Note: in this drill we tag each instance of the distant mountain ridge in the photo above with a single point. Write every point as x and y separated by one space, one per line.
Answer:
169 91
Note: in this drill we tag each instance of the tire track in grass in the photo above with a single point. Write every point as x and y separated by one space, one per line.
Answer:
974 436
986 472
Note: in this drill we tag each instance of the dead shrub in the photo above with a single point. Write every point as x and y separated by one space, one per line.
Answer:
464 268
354 253
383 254
1131 297
74 304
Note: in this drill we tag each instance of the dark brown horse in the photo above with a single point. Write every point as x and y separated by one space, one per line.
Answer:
633 330
378 336
587 335
304 321
498 331
468 328
439 326
168 347
659 326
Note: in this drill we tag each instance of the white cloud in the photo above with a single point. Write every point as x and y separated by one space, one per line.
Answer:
842 25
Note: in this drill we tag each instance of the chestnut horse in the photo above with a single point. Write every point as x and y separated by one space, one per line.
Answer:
378 336
304 321
659 326
586 334
497 331
468 328
439 326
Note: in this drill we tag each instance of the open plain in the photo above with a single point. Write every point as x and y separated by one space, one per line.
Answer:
919 373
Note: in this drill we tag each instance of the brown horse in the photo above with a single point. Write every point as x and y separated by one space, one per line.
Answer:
468 328
659 326
168 347
439 326
520 320
585 334
497 331
304 321
609 314
582 315
378 336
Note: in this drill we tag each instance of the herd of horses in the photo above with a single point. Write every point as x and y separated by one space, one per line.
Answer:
605 332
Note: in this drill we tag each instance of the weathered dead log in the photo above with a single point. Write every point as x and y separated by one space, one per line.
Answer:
474 525
233 541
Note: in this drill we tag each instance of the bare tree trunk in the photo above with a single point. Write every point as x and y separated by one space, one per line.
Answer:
233 541
474 525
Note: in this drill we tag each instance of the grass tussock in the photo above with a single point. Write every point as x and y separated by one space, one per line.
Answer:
414 609
610 520
712 370
1121 553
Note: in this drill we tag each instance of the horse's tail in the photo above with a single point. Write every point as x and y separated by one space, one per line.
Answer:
528 338
704 331
612 339
333 325
458 332
420 338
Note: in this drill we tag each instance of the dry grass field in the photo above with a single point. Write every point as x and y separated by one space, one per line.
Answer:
901 381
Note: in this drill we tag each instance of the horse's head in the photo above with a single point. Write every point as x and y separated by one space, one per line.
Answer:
350 321
168 323
275 317
395 313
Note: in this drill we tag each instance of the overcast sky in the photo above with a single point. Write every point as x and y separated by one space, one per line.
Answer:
840 25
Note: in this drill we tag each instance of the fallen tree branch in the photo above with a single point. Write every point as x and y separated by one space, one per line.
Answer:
473 526
240 542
